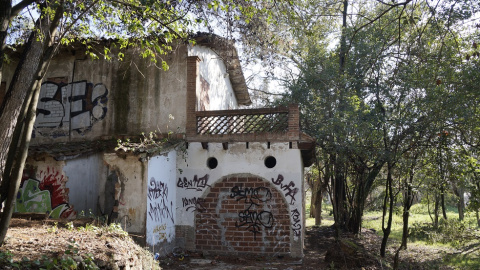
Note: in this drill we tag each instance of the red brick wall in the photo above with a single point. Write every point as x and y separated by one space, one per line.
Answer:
243 215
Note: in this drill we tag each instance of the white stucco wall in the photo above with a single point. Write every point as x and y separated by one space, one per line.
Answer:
161 197
237 159
212 69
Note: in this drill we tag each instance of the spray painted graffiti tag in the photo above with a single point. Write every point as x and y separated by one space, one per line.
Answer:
193 204
158 207
252 218
289 189
197 183
296 226
75 106
47 195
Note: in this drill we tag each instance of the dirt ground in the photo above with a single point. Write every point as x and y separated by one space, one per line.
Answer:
36 238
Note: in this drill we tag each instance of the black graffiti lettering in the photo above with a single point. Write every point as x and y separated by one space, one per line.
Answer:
296 226
253 219
251 195
194 204
289 189
157 189
159 210
74 106
197 183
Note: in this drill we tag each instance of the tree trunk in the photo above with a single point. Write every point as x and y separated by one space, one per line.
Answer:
388 195
478 218
22 97
435 210
338 198
16 175
444 208
318 208
461 204
5 12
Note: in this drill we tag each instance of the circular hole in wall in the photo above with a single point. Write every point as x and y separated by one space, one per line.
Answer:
270 162
212 163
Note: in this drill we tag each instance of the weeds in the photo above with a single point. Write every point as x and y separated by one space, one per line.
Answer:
72 258
450 231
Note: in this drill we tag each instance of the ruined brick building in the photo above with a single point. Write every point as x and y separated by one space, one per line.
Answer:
228 180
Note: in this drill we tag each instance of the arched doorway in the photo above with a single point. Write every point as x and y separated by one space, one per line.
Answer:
243 214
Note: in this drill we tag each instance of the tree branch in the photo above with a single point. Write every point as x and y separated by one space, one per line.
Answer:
19 7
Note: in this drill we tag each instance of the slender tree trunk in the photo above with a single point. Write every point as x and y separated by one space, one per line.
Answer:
407 204
478 218
338 197
337 160
389 199
436 210
318 208
444 208
461 204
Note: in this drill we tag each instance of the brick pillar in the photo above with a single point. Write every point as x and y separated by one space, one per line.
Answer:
293 122
192 81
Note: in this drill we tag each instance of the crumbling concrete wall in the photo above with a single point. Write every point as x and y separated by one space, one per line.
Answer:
125 189
102 185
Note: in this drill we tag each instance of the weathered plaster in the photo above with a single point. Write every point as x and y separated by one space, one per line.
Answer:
213 71
131 191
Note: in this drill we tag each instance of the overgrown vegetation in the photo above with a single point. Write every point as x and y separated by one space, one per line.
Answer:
72 257
458 240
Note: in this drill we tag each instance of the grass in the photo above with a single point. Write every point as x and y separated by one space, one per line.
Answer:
327 220
460 255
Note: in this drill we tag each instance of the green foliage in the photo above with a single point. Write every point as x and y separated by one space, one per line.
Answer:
66 262
70 226
54 228
450 231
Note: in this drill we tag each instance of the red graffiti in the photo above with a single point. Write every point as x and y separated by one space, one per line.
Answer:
54 181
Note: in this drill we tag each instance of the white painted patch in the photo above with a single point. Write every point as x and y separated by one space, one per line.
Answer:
161 199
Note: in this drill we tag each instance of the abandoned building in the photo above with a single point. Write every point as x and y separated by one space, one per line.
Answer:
221 179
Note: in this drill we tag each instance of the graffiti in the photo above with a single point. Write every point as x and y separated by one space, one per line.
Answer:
289 189
251 195
161 232
159 210
74 106
197 183
48 195
296 226
254 219
193 204
157 189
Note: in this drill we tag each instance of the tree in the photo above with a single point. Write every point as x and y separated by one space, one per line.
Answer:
151 24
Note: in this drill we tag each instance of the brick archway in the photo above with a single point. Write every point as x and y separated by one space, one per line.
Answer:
243 214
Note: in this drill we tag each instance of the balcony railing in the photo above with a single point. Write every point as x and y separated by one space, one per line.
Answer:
267 124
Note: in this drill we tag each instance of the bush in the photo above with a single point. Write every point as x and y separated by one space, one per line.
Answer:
450 231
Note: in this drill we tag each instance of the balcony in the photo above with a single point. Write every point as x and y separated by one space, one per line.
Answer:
251 125
281 124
